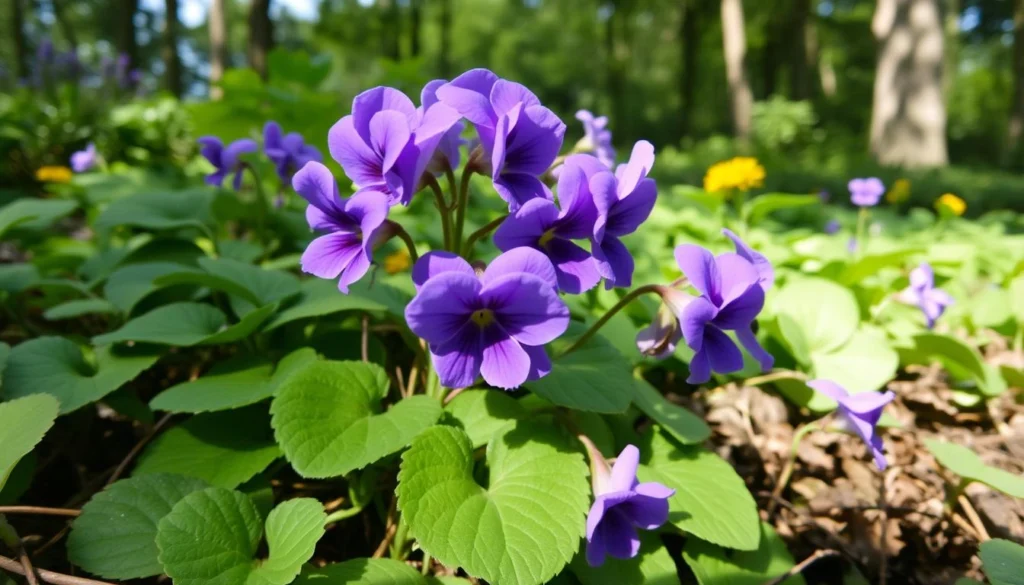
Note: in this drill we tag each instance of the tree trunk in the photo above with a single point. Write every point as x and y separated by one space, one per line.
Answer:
218 46
689 32
734 40
908 119
261 36
415 24
390 29
616 74
770 58
126 42
1016 126
65 25
172 62
445 60
801 59
18 38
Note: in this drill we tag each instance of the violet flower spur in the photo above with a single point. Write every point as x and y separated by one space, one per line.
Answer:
520 137
859 413
922 292
354 225
225 159
540 224
596 137
84 160
866 192
385 144
622 505
623 201
495 324
731 297
289 152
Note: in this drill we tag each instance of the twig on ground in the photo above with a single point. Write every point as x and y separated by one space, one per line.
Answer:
965 526
390 528
138 448
972 515
39 510
401 382
15 567
800 567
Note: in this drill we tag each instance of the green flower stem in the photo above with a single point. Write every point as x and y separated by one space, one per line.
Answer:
342 514
425 569
262 207
862 224
442 206
398 546
787 471
480 233
405 237
8 535
954 495
647 288
462 202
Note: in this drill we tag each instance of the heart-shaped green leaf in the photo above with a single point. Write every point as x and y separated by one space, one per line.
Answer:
825 312
115 537
482 412
185 324
962 360
363 572
250 286
33 214
523 528
319 298
866 362
966 463
197 551
1003 562
23 423
77 308
686 427
757 208
56 366
328 419
159 210
714 565
129 285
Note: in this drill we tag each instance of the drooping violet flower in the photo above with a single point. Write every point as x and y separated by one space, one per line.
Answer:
596 137
623 201
289 152
922 292
765 272
622 505
354 226
385 144
731 297
225 159
519 136
539 224
447 155
866 192
832 226
84 160
494 324
859 413
659 339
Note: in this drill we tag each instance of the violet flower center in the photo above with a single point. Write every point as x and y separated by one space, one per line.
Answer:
482 317
545 238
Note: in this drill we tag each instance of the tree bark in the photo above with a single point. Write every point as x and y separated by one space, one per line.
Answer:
689 32
445 24
65 25
734 40
415 26
801 58
172 61
218 46
261 36
1016 126
18 39
126 42
908 118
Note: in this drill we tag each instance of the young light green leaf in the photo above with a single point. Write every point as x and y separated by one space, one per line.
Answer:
363 572
825 312
713 565
196 551
966 463
962 360
865 362
23 422
757 208
652 565
523 528
1003 562
232 384
185 324
77 308
686 427
115 537
225 449
594 377
711 500
328 419
482 412
56 366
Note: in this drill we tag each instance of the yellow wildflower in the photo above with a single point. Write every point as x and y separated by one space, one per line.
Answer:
742 173
51 174
951 203
899 192
397 262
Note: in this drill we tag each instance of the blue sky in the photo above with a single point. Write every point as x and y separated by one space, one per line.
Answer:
193 12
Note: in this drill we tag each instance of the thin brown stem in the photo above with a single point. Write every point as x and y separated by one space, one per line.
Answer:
451 395
400 380
802 565
364 341
648 288
972 515
391 527
138 449
480 233
15 567
406 238
39 510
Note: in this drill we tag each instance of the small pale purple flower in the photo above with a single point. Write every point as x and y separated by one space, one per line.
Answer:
624 201
520 137
765 272
225 159
622 506
832 226
494 324
354 226
731 297
84 160
922 292
859 413
447 155
596 137
289 152
659 339
866 192
386 143
539 224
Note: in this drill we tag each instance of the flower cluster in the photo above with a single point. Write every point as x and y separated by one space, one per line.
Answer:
289 153
741 173
866 192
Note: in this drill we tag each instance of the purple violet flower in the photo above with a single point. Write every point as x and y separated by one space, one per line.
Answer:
289 152
520 137
385 144
84 160
621 506
731 297
225 159
447 155
354 225
922 292
859 413
596 137
866 192
624 201
765 272
539 224
494 324
832 226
